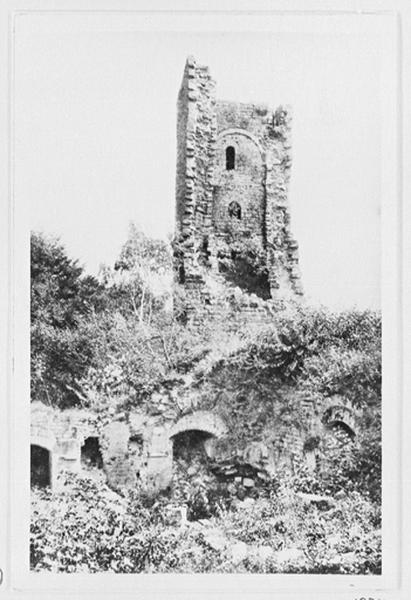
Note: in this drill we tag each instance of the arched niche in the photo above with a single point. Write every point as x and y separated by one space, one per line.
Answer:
40 466
339 420
90 453
190 445
204 421
195 434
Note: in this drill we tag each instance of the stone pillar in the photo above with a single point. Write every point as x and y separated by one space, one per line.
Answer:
64 458
118 465
159 461
67 456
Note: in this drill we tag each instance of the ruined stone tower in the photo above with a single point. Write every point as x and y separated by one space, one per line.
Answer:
232 211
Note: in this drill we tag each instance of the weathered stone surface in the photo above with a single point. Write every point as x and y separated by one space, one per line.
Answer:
248 483
138 452
210 446
209 186
201 421
117 464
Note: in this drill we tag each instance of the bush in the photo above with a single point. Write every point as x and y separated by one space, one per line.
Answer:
259 380
88 528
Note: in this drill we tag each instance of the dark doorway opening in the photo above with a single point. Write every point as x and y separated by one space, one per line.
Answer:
40 466
188 446
245 271
191 470
91 453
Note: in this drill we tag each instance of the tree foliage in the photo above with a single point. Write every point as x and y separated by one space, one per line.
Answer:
80 327
138 285
111 344
61 298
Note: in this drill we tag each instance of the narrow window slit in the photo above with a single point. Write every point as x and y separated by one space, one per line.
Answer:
234 210
230 158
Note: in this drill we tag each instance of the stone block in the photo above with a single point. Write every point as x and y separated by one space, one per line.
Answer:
69 449
248 482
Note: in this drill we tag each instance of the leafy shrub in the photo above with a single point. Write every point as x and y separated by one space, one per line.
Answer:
110 346
88 528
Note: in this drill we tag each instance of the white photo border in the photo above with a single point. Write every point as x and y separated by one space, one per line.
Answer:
385 18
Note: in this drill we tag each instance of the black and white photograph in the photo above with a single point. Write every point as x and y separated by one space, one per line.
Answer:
195 406
204 237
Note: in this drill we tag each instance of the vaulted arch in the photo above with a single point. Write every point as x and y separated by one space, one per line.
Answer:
204 421
242 132
340 417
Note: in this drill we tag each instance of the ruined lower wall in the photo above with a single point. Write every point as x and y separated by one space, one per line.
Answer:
137 448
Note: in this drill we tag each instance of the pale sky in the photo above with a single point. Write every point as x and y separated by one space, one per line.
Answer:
95 126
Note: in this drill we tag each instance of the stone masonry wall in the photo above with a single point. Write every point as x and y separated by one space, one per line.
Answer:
243 185
137 452
206 189
196 131
269 132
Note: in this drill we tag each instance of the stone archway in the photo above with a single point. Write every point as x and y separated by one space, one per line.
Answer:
190 447
207 425
193 439
43 461
200 420
40 466
194 434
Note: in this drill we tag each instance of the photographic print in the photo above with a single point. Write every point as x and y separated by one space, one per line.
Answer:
205 307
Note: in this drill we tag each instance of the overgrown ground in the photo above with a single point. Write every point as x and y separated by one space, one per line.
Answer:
112 345
85 528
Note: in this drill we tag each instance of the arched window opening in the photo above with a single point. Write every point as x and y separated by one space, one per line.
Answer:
204 255
91 453
234 210
181 274
136 444
40 466
230 158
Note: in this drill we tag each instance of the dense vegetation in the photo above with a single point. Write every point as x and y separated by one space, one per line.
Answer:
113 343
85 529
